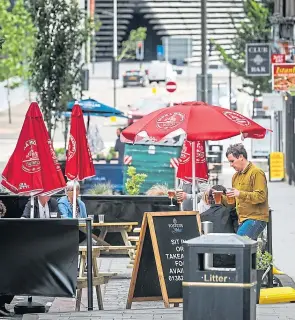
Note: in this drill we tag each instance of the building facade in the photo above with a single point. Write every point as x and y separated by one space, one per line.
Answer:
170 18
283 22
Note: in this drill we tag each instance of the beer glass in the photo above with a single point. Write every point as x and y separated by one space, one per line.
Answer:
229 199
217 195
179 199
171 195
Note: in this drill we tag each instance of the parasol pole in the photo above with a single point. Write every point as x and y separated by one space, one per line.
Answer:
32 207
194 176
75 200
88 122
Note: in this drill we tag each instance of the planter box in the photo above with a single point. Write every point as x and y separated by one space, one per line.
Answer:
116 208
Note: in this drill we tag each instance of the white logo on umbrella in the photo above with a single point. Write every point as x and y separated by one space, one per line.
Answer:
185 155
237 118
72 148
200 153
31 163
170 120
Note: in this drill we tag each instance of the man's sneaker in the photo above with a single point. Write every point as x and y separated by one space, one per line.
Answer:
4 312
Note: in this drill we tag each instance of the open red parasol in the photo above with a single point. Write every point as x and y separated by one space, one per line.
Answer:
198 120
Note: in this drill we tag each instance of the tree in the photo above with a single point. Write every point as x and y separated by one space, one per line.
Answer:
2 40
17 29
254 28
129 46
57 61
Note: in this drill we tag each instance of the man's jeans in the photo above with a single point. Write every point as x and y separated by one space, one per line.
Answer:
251 228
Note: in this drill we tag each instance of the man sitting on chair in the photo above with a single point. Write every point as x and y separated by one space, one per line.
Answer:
43 206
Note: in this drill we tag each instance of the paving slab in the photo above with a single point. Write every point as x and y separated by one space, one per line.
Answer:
270 312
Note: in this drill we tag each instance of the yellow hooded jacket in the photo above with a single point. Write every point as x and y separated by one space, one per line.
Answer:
252 202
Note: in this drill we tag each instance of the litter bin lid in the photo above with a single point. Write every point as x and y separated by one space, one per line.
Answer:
221 240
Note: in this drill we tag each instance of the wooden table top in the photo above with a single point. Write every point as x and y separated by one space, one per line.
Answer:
110 224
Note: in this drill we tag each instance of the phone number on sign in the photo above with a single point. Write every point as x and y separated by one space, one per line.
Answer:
175 278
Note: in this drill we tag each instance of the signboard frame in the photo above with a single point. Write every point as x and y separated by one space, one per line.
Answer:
148 224
289 65
276 56
248 45
272 102
281 157
255 151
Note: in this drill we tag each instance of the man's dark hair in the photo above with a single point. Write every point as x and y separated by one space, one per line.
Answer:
236 150
219 187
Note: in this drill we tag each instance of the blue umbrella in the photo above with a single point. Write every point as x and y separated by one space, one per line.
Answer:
95 108
92 107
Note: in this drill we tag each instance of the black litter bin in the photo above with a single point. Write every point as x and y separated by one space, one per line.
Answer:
219 293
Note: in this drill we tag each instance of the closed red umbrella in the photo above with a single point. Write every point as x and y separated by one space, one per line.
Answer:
198 120
185 167
33 168
79 164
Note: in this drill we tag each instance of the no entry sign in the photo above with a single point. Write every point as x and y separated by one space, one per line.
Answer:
171 86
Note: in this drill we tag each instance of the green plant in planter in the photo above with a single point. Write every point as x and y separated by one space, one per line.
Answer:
101 188
109 157
263 259
60 153
112 152
135 180
100 156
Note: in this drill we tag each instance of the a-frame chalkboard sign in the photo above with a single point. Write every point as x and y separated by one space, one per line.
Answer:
158 266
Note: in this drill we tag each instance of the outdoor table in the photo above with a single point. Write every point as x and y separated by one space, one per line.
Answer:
113 227
98 279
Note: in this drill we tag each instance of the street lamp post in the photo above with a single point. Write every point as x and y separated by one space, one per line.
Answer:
115 49
204 63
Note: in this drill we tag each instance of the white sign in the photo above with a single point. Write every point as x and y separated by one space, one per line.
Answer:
272 102
171 86
261 148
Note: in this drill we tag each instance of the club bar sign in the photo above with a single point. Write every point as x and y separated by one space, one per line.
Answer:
258 59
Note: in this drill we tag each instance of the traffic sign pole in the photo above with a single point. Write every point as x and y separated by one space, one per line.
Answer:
171 86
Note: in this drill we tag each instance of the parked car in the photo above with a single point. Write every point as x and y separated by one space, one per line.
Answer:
134 78
143 107
161 71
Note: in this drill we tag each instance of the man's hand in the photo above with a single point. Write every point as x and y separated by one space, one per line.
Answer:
180 196
233 193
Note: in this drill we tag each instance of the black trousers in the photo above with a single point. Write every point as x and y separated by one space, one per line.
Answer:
5 299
